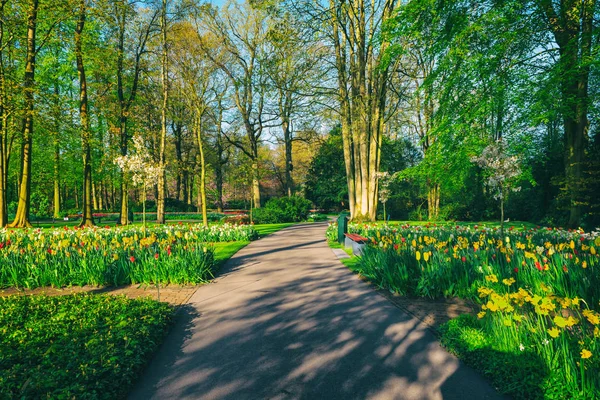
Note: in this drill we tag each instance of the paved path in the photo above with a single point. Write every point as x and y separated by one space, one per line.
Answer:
286 320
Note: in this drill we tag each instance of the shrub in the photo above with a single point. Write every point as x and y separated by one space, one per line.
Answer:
76 346
316 217
283 209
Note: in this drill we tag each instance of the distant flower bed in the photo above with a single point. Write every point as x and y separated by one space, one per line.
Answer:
539 290
176 254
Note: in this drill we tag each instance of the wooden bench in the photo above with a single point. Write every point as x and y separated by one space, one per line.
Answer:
357 242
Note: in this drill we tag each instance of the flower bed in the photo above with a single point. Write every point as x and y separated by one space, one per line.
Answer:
77 346
176 254
539 291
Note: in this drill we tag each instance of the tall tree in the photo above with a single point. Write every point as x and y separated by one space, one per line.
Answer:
236 43
87 216
6 137
294 71
22 215
123 11
573 25
362 83
164 78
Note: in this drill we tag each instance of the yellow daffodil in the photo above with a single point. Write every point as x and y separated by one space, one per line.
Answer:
554 332
586 354
509 281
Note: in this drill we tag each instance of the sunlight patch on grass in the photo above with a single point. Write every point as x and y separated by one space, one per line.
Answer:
266 229
225 250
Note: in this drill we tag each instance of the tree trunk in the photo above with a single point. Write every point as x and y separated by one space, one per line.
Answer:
433 200
287 137
4 142
202 183
99 196
221 161
162 177
56 177
22 215
87 218
572 26
362 86
256 183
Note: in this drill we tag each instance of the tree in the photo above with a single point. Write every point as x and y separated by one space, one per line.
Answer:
573 25
164 76
502 171
22 215
122 13
87 216
6 108
141 169
293 69
234 39
362 94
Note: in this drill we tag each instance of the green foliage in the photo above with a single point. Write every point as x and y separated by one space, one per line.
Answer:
77 346
326 184
316 217
518 374
283 209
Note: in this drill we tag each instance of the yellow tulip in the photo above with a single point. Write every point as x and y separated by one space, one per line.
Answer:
418 255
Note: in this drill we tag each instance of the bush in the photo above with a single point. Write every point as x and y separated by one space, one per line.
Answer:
76 346
283 209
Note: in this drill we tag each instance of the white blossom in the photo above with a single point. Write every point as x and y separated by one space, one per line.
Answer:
139 165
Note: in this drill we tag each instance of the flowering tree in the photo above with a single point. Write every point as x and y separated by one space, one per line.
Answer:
503 172
140 168
385 179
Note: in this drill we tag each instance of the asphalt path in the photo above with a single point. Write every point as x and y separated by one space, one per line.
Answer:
286 320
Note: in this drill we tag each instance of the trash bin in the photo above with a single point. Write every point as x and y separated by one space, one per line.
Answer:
342 227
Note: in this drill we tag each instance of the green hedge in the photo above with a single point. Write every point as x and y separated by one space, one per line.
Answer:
283 209
77 346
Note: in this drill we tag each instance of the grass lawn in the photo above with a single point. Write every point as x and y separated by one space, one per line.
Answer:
77 346
225 250
266 229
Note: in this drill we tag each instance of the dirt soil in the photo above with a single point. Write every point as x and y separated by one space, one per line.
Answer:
172 294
